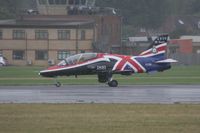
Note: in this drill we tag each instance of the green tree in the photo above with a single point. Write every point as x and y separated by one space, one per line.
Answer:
194 7
9 8
143 13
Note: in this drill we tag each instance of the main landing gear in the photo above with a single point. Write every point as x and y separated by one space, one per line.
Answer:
106 77
113 83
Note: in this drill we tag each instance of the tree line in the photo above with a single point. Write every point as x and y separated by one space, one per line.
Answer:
10 8
151 13
139 13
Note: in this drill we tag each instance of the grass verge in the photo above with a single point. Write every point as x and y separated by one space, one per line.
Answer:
184 75
99 118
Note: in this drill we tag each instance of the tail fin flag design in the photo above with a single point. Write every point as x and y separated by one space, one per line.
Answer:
159 46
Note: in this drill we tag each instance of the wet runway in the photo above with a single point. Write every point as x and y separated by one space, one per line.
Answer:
165 94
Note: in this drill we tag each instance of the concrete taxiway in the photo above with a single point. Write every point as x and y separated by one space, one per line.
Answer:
165 94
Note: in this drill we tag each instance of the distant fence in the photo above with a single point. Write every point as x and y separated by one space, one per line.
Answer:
186 59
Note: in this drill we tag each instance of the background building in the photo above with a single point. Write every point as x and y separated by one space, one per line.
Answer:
57 29
186 49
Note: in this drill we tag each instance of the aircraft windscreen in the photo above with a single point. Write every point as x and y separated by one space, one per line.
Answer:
86 57
79 58
62 63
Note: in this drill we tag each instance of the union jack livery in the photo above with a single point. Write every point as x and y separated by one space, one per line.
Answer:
105 65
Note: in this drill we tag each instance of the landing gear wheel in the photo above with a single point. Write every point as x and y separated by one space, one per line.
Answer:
58 84
113 83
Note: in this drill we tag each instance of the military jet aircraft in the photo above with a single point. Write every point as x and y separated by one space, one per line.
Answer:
105 65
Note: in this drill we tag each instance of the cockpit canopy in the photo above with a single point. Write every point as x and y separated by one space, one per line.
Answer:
76 59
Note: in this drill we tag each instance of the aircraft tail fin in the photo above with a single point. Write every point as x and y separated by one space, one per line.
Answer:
159 46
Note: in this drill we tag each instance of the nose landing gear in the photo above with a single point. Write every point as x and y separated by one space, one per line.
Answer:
57 83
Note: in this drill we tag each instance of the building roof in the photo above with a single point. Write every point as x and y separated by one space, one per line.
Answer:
43 23
140 39
195 39
8 21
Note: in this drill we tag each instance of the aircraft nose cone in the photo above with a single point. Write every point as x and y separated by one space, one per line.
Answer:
49 72
41 73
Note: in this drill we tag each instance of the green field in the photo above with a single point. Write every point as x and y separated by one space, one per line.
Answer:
99 118
185 75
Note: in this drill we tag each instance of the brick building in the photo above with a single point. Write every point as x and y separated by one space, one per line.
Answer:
58 29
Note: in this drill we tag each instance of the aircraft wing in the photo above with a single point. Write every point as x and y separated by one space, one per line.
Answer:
167 61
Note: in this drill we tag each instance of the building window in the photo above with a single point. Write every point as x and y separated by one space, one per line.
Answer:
57 2
63 34
82 51
90 2
172 50
83 2
18 34
71 2
76 2
198 51
82 34
42 2
1 35
41 55
61 2
41 34
18 55
63 55
51 2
